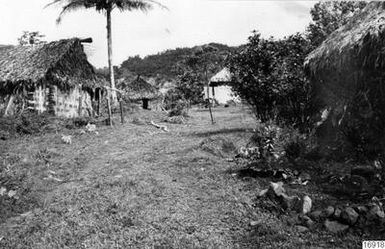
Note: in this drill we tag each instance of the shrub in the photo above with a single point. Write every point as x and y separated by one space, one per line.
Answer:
271 143
269 76
179 109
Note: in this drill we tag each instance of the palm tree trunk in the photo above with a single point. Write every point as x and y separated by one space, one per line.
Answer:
112 94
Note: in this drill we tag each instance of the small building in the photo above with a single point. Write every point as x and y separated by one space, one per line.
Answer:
140 90
219 88
54 77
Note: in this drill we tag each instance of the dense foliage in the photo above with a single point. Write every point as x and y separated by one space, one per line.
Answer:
270 77
194 72
164 63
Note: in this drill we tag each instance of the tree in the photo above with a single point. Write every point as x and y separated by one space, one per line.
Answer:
271 80
106 7
329 16
31 38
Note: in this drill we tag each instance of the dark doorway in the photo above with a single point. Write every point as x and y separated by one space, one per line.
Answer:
145 104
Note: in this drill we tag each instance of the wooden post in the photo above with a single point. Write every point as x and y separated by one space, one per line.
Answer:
99 94
112 95
80 103
208 96
121 111
109 111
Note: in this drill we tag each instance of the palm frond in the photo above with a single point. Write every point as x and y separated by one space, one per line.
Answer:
143 5
55 2
73 6
100 5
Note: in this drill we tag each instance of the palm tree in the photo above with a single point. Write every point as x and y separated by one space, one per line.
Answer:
106 7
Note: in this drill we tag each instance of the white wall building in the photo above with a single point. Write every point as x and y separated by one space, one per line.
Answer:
220 89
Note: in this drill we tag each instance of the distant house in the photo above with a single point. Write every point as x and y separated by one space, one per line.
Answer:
54 77
219 88
140 90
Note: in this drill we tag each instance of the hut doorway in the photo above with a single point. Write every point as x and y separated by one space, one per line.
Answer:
145 104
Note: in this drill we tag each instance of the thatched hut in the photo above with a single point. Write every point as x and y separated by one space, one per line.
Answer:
347 72
140 90
219 88
54 77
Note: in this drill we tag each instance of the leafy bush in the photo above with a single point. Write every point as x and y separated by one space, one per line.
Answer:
27 122
270 78
30 122
171 99
175 103
179 109
271 144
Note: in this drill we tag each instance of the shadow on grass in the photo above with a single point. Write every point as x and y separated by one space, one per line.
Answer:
221 131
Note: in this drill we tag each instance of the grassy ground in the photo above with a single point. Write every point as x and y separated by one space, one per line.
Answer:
134 186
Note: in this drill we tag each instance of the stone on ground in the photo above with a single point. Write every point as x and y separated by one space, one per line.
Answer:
301 229
335 226
327 212
307 204
376 213
349 216
290 202
275 190
316 215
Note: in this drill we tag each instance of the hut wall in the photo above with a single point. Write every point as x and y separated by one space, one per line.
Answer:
222 94
40 96
71 103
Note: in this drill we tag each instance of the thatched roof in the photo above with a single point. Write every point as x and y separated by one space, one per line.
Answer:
63 63
351 54
222 77
139 89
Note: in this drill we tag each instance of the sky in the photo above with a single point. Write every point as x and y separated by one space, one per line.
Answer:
186 23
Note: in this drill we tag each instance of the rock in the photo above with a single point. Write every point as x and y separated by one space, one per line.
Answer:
290 202
316 215
262 193
337 213
275 190
335 226
349 215
293 220
362 209
301 229
327 212
368 172
307 221
306 204
376 213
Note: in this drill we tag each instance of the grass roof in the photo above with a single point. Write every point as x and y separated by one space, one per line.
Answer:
351 54
222 77
140 89
63 63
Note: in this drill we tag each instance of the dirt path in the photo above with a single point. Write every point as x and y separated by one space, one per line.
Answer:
135 186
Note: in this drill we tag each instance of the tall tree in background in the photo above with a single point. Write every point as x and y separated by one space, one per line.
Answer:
193 71
329 16
106 7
